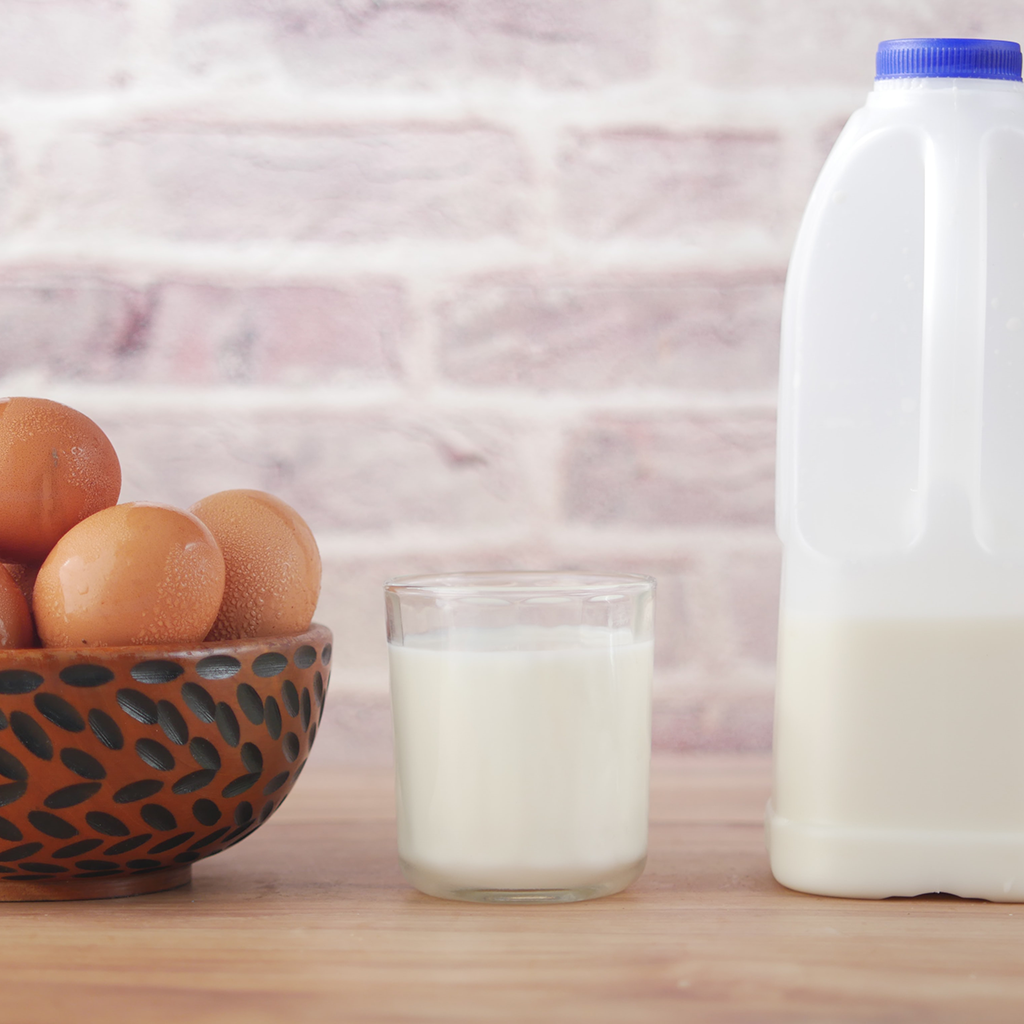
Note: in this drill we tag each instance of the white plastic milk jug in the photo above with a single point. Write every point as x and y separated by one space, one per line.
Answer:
899 737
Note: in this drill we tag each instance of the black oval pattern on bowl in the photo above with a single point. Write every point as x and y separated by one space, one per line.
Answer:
97 865
32 735
252 758
290 697
238 786
325 656
276 783
105 729
171 721
272 715
137 791
155 754
51 825
218 666
270 664
71 796
83 846
11 791
127 845
232 837
58 711
243 813
11 767
138 705
290 745
143 864
250 702
106 824
10 831
158 817
3 721
198 701
204 753
201 844
19 680
206 812
86 676
194 781
170 844
266 811
318 688
312 735
152 672
21 852
305 708
227 724
43 869
82 764
304 656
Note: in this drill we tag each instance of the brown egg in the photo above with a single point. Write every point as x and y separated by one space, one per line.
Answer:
56 468
272 565
16 629
24 576
137 573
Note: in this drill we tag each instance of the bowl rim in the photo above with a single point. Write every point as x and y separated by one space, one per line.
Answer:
317 633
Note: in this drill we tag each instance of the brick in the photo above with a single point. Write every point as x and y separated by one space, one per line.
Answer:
232 185
754 43
719 332
63 45
71 328
355 728
719 721
206 334
340 470
352 600
752 581
416 42
699 469
653 184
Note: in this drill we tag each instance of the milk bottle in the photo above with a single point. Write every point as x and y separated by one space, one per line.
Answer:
899 738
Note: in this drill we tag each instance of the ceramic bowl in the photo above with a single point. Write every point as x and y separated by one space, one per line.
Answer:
122 766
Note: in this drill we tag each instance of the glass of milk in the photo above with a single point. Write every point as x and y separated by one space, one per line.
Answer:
522 715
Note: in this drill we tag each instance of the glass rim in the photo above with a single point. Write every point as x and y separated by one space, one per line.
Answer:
521 581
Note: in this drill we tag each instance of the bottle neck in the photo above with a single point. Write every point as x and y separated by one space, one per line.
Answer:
884 85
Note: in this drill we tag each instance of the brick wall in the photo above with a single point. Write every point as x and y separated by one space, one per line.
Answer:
471 283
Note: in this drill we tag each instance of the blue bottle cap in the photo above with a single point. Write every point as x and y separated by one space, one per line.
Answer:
948 58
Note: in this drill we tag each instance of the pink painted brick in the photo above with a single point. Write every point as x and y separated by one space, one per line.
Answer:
713 720
417 42
71 328
64 45
655 184
348 185
736 43
340 470
205 334
752 583
706 331
680 470
352 601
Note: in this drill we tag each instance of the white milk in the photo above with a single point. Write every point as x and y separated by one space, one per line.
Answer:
900 757
522 758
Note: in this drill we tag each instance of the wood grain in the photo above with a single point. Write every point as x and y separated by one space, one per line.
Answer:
309 920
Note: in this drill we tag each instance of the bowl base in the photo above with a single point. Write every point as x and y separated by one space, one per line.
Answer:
16 890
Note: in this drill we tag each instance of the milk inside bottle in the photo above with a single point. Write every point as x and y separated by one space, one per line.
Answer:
899 736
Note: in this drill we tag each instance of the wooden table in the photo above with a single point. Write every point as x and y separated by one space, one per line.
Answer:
310 920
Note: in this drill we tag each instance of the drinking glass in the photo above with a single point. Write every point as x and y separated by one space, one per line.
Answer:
522 718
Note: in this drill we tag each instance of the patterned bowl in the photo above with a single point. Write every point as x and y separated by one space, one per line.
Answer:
122 766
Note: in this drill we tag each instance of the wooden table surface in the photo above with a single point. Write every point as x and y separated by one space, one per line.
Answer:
310 920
